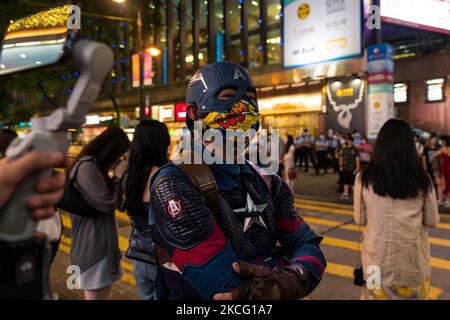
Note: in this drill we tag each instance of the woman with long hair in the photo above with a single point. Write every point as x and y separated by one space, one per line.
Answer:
289 162
95 247
6 137
149 152
396 200
443 176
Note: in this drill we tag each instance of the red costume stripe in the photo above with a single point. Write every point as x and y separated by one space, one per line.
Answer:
313 260
289 225
202 252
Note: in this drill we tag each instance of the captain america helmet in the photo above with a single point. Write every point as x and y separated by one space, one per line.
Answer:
210 80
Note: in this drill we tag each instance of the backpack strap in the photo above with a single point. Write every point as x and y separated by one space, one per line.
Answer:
264 174
202 178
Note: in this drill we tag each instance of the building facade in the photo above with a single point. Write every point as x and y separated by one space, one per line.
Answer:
192 33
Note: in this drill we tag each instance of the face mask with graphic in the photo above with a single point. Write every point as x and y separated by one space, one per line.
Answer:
241 115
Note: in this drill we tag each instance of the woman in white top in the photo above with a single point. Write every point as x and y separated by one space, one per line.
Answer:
290 172
395 200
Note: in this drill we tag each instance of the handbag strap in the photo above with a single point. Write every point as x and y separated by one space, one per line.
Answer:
358 251
77 167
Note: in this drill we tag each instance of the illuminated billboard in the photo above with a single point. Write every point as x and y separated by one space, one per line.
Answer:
321 30
432 15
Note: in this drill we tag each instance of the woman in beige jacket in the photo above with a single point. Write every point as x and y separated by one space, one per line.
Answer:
395 199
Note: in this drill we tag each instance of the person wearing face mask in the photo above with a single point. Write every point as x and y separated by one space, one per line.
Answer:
442 158
322 145
349 165
340 144
357 137
334 144
419 145
432 164
306 142
227 248
365 152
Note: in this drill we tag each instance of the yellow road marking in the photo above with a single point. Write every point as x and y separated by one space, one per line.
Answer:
440 263
64 248
352 227
323 209
122 216
341 205
123 244
445 226
342 270
336 242
324 203
352 245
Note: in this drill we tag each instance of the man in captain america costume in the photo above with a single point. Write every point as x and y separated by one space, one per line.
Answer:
233 254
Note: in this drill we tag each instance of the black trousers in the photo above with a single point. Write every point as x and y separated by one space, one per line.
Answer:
297 156
334 160
321 157
305 154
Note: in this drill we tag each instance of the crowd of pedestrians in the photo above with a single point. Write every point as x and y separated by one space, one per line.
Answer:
180 226
342 153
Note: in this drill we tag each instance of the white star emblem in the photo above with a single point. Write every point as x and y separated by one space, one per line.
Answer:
254 212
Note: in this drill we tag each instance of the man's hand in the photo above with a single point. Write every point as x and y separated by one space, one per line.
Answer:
264 283
48 190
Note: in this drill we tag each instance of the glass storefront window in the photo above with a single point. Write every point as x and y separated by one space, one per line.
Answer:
274 52
254 45
274 49
273 13
203 41
235 18
220 32
189 59
255 54
237 55
253 15
176 39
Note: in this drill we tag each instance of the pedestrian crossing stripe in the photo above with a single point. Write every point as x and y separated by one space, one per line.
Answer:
324 203
352 227
64 246
346 212
332 268
122 216
344 271
299 205
353 245
341 205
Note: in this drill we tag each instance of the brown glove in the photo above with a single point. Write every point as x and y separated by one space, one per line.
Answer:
280 283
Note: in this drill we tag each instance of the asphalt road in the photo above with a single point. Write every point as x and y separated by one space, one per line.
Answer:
328 217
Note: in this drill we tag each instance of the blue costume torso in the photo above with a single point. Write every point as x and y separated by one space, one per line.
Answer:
201 246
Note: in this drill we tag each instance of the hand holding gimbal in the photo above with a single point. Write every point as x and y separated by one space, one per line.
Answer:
23 252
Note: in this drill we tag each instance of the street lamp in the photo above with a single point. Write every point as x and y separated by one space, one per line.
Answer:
139 47
154 52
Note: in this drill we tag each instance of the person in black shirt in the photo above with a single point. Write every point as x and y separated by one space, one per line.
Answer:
432 164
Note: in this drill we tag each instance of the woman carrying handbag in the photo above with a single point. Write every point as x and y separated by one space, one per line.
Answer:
395 199
149 152
289 163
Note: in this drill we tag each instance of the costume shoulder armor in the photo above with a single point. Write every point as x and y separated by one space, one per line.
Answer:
180 215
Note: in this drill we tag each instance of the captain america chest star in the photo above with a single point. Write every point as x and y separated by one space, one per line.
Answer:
247 218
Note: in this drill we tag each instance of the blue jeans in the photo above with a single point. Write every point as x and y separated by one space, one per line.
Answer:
145 274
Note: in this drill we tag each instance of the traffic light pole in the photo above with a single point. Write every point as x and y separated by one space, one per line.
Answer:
376 33
140 49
